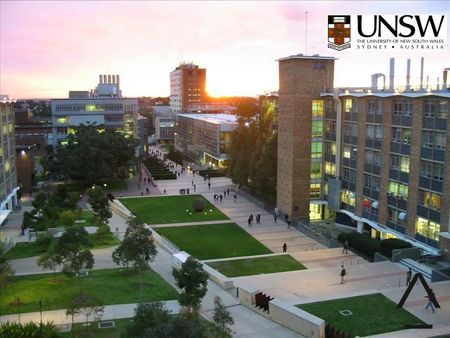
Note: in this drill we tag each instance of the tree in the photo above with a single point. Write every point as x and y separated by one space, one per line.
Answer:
150 320
193 280
67 218
93 157
5 268
99 203
86 306
137 246
71 251
222 316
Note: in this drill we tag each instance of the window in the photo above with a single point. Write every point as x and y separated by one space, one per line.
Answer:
330 127
371 182
317 128
373 157
404 164
395 162
330 168
316 149
374 132
428 228
396 134
427 139
314 190
406 136
317 108
429 108
438 171
348 197
443 110
430 199
346 151
315 170
62 120
348 105
402 107
330 148
439 140
375 107
398 189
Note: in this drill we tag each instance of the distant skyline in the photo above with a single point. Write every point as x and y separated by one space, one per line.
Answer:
48 48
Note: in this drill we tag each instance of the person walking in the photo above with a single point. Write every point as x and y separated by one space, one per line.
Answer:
195 187
250 220
258 218
286 219
284 247
209 185
408 276
235 197
165 192
345 248
430 297
343 273
275 214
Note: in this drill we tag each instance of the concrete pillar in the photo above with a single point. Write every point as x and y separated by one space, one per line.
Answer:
360 226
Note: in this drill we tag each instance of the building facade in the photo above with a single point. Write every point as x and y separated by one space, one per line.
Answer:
104 107
8 179
300 124
378 156
187 87
205 138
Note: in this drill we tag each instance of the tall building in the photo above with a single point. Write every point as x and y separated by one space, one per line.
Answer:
8 179
187 87
103 106
300 124
384 155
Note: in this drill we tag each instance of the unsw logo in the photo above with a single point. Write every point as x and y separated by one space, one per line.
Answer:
339 32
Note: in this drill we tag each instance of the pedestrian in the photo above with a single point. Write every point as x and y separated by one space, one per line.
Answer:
345 248
275 214
235 197
195 187
431 298
258 218
147 190
343 273
408 276
209 185
284 247
228 191
250 220
165 193
192 182
142 193
286 219
215 197
224 193
220 198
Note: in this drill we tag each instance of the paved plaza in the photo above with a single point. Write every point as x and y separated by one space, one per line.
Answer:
320 281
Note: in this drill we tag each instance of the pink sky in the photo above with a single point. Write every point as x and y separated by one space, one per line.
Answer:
48 48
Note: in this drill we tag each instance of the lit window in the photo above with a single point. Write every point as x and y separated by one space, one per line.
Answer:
428 228
316 149
317 108
346 151
330 168
62 120
404 164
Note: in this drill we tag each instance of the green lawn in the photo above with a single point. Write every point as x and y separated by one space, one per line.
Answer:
56 290
372 314
88 217
256 266
113 332
171 209
31 249
211 241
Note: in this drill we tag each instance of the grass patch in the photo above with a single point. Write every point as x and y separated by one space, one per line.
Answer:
372 314
56 291
256 266
210 241
171 209
88 217
31 249
112 332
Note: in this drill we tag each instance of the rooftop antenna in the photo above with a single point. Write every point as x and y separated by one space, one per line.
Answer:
306 33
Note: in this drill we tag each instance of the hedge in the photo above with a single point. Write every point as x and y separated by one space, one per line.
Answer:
211 173
387 245
157 169
360 242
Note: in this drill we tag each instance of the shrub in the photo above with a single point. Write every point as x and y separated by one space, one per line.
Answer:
30 329
102 231
198 205
387 245
44 241
361 243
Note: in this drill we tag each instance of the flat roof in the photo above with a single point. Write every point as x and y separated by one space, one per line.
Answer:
307 57
391 94
213 118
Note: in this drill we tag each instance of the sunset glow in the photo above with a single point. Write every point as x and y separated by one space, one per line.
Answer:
49 48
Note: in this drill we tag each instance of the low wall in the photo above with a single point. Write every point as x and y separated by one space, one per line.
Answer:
296 319
223 281
286 314
120 209
398 254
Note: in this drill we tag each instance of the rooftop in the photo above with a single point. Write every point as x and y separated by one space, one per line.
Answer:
213 118
307 57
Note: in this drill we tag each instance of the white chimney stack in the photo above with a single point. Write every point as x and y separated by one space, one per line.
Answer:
421 72
408 74
100 80
391 73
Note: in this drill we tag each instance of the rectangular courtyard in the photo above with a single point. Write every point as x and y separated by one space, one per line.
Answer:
209 241
171 209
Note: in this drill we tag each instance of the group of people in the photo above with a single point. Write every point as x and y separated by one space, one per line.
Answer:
250 219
